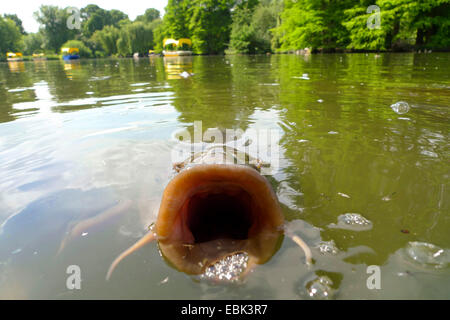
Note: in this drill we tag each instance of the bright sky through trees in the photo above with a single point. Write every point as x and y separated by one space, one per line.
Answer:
25 8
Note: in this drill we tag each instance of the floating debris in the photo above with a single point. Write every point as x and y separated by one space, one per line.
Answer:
228 269
328 247
17 251
333 132
320 100
164 281
388 197
352 221
99 78
400 107
304 76
185 74
84 234
320 288
427 255
139 84
429 153
343 195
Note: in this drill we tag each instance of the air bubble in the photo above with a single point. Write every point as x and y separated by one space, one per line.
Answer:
328 247
400 107
320 288
427 255
352 221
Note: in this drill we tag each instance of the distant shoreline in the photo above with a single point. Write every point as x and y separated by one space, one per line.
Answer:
53 58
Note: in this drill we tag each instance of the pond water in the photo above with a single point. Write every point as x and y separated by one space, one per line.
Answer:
363 183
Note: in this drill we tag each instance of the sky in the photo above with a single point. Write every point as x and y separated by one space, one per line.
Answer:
25 8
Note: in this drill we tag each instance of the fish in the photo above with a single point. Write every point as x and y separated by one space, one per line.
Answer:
217 218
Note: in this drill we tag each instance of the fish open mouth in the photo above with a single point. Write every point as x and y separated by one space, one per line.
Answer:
212 211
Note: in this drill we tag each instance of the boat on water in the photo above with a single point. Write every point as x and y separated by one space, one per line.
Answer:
14 56
39 57
175 48
70 53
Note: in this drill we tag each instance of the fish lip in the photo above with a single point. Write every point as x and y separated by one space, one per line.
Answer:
188 182
176 241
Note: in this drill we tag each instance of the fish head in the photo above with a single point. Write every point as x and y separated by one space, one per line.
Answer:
218 215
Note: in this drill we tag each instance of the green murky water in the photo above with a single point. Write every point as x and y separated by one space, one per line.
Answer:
77 138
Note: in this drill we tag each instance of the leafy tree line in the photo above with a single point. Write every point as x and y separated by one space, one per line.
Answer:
239 26
258 26
101 33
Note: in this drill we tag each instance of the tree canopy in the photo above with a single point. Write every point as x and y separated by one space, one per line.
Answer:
241 26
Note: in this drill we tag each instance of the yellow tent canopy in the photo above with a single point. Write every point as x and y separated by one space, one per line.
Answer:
184 41
178 42
170 41
14 54
70 50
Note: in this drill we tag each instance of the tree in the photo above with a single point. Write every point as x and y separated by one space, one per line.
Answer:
252 24
54 26
84 50
10 36
404 24
17 21
33 43
176 19
314 24
149 15
96 18
135 37
210 25
107 39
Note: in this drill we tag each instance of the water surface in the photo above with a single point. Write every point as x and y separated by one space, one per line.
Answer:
360 183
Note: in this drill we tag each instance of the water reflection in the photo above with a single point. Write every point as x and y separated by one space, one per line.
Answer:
176 66
16 66
70 130
71 68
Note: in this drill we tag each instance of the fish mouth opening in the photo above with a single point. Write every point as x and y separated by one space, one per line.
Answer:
219 212
211 211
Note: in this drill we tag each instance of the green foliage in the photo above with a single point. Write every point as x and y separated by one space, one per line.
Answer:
252 22
313 23
209 25
241 26
54 26
85 52
126 40
404 23
176 19
16 20
105 40
10 36
149 15
95 18
33 43
135 37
